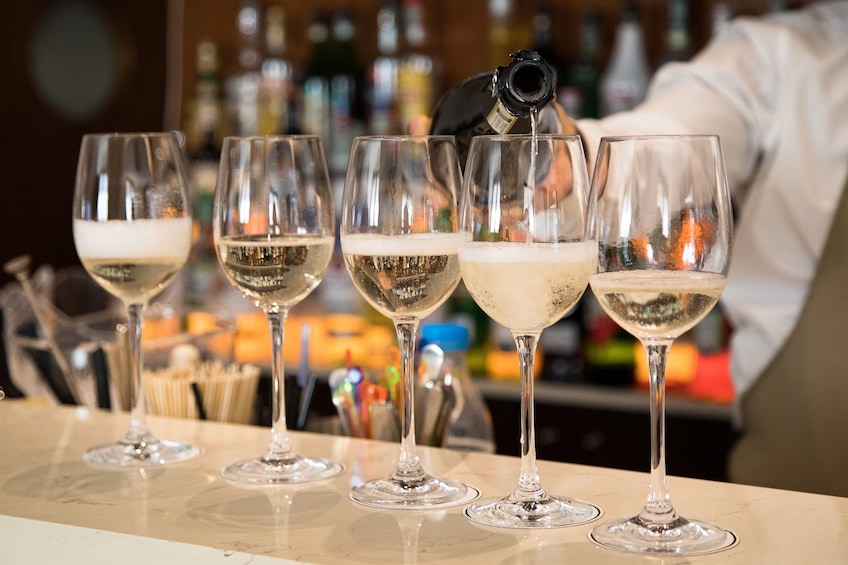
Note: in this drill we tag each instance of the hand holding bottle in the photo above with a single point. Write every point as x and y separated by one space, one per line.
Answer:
500 102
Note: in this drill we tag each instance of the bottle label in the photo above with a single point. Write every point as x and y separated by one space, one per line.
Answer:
500 119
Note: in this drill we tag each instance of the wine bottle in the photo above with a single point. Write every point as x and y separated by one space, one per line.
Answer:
499 102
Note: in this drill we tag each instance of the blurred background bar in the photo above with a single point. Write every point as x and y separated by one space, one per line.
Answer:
77 66
341 68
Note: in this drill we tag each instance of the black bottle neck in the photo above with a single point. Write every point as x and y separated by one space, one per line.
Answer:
527 82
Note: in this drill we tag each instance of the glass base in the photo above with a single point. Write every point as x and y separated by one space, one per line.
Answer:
547 512
420 493
680 537
130 455
296 469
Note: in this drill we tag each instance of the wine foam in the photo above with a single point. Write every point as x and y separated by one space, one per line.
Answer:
439 243
134 239
515 252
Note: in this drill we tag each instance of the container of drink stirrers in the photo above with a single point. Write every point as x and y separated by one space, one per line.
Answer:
209 390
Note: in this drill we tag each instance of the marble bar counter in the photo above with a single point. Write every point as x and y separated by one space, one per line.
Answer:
55 509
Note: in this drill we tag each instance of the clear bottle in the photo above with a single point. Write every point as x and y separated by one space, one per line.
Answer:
625 78
470 424
499 102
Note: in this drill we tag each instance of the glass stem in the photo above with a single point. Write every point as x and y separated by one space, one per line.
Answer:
529 483
138 434
658 509
408 466
279 448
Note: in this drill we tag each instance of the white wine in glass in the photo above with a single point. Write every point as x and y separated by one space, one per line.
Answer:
132 232
398 237
660 210
274 230
525 261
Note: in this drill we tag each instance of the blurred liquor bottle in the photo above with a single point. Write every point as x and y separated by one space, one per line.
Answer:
315 93
383 110
505 34
562 347
610 352
626 76
203 277
347 77
580 97
242 94
276 75
417 71
204 120
543 44
678 43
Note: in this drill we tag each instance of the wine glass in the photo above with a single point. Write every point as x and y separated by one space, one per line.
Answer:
525 261
660 210
398 238
132 232
274 230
